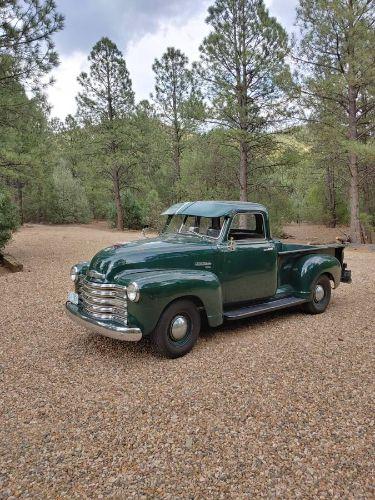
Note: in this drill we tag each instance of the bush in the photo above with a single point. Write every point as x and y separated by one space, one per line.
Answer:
8 218
71 204
133 213
152 208
368 224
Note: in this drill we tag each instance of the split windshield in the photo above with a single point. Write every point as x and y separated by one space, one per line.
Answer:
209 227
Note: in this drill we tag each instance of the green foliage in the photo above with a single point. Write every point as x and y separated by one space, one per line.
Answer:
26 44
105 106
8 218
133 213
106 92
197 139
151 209
246 76
71 204
243 64
337 75
178 102
368 222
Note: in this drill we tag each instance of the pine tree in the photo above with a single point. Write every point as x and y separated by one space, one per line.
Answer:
177 99
243 64
105 100
335 54
26 47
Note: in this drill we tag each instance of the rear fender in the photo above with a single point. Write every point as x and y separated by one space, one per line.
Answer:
160 288
307 269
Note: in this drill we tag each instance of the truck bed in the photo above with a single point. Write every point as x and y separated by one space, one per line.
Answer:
289 253
285 249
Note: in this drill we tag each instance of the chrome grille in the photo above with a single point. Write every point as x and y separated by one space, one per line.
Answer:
104 301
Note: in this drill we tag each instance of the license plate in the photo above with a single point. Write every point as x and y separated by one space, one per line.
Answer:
73 298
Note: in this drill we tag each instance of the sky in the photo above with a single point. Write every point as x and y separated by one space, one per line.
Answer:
142 30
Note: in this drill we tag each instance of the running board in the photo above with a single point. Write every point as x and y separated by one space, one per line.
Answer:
264 307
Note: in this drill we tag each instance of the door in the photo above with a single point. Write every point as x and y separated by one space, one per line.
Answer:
249 260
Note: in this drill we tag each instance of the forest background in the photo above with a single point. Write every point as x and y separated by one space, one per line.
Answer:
259 116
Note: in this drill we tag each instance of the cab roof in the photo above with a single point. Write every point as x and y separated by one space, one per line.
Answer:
213 208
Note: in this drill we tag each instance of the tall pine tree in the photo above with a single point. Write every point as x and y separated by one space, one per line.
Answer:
336 54
177 100
105 100
243 64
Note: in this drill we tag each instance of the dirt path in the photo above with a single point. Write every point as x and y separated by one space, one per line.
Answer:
270 406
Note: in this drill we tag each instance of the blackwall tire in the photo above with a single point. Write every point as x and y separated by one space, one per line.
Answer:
177 330
321 292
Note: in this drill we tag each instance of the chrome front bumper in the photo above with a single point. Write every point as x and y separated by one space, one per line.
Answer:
126 333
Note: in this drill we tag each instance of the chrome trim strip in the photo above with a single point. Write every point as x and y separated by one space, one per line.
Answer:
99 293
114 302
109 286
127 333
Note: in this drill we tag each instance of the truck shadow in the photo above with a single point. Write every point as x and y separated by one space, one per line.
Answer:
96 346
233 327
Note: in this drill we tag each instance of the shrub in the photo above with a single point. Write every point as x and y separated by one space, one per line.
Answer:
8 218
71 204
152 208
133 213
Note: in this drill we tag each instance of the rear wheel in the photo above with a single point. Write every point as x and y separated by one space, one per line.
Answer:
177 330
321 295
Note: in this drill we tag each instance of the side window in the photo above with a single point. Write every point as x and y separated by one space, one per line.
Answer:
247 226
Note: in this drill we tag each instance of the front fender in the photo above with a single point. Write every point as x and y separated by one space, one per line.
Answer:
309 267
159 288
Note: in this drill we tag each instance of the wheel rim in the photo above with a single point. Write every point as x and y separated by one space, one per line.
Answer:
179 328
319 293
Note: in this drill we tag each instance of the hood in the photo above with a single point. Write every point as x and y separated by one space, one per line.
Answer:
164 252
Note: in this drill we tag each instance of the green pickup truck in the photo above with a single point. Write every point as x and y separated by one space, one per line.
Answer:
214 261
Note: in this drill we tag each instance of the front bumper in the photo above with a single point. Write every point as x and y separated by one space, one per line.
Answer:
127 333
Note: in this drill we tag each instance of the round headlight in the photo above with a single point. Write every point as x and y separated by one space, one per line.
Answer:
74 273
132 291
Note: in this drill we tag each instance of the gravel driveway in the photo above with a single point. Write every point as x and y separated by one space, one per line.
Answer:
270 406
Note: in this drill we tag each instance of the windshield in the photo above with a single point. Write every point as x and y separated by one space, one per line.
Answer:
209 227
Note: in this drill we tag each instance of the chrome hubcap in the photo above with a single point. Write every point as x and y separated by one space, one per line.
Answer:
179 327
319 293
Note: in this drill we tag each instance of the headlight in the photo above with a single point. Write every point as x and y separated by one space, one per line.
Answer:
132 291
74 273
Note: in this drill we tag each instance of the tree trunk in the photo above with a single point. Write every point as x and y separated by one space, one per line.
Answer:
331 195
117 194
20 202
244 166
177 157
355 224
176 133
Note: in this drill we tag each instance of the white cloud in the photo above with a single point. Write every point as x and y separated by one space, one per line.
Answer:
62 94
284 11
139 57
141 53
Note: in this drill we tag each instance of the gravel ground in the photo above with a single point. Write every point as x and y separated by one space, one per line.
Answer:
270 406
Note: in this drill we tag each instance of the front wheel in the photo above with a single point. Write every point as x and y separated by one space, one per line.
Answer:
177 330
321 295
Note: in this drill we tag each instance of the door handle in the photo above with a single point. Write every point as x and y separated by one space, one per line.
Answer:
268 249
